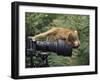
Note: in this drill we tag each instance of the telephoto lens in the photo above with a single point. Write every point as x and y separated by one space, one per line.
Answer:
59 47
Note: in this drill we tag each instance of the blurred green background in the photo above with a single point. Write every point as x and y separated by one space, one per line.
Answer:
36 23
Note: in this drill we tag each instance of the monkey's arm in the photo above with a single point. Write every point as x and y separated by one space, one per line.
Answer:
45 34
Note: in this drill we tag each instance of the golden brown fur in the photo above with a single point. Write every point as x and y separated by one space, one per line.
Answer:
68 35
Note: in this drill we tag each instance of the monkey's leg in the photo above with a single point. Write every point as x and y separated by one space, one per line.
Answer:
40 36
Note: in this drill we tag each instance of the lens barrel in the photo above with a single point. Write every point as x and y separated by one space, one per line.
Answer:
58 47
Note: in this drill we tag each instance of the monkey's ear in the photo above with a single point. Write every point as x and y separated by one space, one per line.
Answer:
70 37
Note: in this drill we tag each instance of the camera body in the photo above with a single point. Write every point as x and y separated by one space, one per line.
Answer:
41 49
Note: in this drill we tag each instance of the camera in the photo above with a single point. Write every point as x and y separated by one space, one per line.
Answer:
41 48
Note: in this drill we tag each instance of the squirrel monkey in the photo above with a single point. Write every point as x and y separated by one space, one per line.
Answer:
67 35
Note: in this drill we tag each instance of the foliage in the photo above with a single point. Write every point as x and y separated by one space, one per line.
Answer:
41 22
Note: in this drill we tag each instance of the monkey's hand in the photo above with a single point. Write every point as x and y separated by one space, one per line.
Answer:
33 38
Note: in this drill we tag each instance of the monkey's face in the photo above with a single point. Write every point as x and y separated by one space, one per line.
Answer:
73 39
